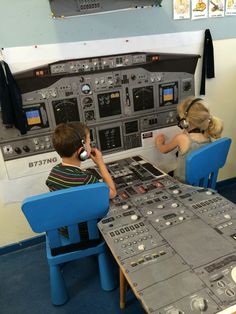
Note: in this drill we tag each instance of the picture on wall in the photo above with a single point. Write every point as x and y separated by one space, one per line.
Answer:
199 9
181 9
216 8
230 7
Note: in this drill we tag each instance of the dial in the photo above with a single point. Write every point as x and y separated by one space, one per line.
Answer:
86 89
200 304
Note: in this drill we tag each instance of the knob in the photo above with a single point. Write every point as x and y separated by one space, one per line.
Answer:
141 247
18 150
200 304
134 217
81 79
133 77
125 206
233 274
176 191
26 148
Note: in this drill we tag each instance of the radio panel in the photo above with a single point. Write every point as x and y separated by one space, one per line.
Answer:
118 96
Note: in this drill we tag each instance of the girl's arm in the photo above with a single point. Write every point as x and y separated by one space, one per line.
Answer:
178 141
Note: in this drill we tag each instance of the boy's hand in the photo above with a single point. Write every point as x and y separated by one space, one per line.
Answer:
96 156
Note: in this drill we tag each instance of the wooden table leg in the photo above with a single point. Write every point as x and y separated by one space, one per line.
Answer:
122 290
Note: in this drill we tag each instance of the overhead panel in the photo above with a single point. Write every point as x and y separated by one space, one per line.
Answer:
67 8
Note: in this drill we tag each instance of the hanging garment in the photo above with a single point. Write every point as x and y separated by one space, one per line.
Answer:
208 69
11 100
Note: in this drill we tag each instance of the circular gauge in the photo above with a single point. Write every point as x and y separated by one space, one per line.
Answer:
87 102
86 89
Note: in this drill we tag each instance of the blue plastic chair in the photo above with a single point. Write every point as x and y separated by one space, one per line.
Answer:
50 211
203 164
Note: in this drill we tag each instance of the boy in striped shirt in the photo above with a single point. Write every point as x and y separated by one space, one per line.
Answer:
72 142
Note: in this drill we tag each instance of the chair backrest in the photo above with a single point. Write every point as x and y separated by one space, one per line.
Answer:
203 164
50 211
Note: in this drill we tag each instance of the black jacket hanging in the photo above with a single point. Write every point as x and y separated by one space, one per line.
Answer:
11 100
208 69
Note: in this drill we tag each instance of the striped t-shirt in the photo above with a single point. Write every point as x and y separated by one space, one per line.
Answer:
64 176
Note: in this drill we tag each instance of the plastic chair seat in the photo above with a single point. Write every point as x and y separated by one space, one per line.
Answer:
203 164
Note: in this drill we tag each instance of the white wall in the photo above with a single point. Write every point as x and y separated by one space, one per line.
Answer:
221 96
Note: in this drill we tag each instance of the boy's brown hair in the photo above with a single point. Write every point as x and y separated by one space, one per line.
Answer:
68 137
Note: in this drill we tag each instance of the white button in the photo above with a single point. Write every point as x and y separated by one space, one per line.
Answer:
208 192
181 218
182 212
174 205
134 217
141 247
175 191
227 216
160 206
125 206
149 212
168 223
157 220
233 274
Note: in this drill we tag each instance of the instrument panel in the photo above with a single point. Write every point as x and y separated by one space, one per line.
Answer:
118 97
176 243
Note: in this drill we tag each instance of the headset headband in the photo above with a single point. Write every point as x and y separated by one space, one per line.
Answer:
191 104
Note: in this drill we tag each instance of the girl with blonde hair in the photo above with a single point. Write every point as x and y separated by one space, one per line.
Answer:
199 129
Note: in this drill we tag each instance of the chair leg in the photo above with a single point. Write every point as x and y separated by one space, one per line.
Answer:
123 288
106 272
58 289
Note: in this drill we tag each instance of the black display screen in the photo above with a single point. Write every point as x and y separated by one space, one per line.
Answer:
110 138
169 216
131 127
143 98
109 104
66 110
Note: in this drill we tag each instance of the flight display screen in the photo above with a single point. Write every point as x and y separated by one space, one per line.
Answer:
36 116
143 98
33 117
110 139
168 93
109 104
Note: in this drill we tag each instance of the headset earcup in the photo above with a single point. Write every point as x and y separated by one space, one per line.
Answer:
184 124
83 155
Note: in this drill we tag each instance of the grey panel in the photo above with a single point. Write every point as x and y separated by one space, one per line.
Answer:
154 266
61 8
168 291
196 243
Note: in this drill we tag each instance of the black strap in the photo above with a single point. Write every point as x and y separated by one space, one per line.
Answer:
208 69
76 246
196 130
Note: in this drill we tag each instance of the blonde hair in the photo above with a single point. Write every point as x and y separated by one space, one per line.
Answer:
199 116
